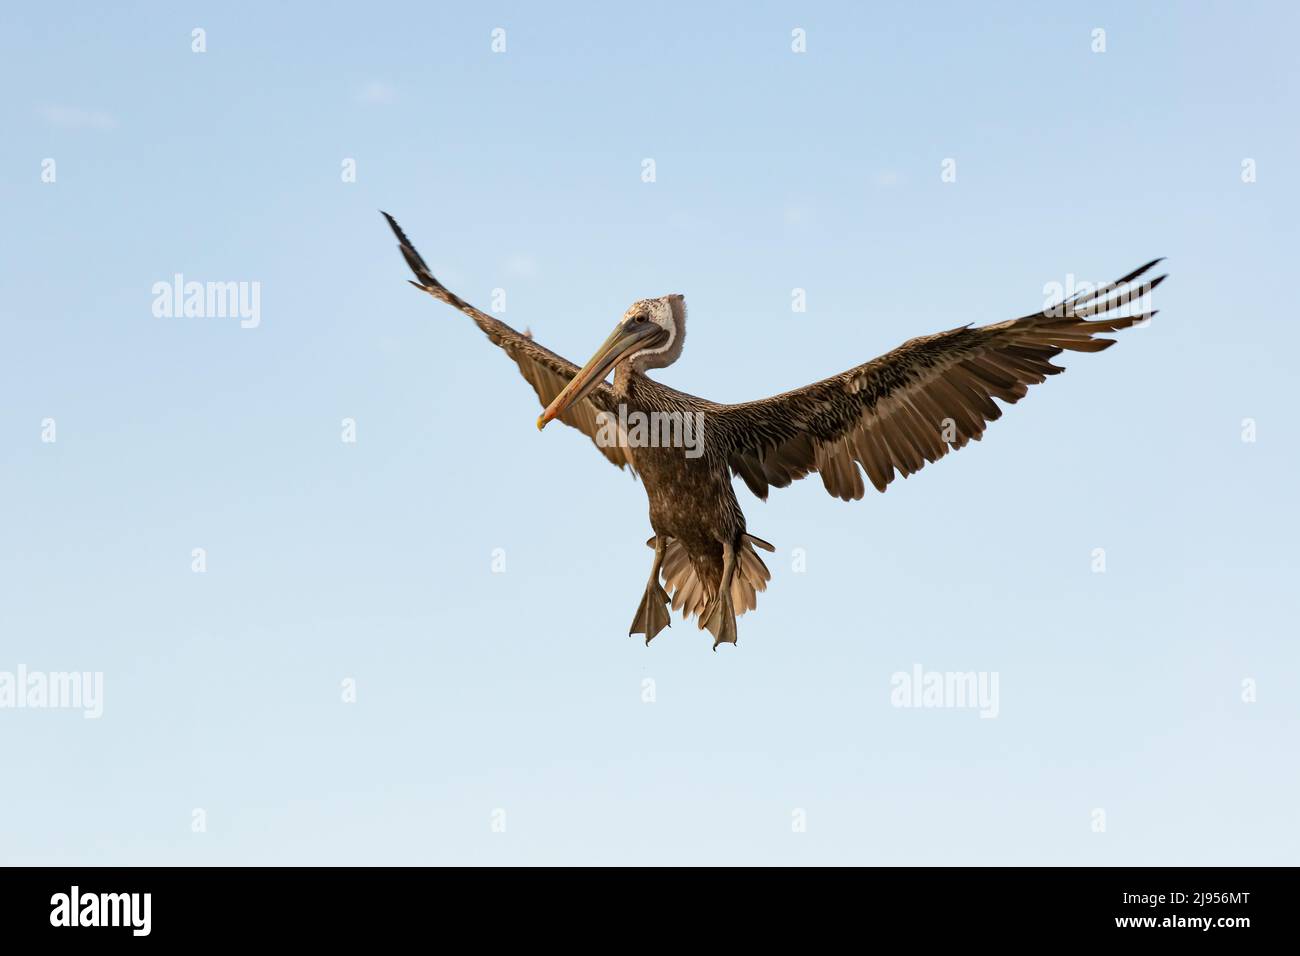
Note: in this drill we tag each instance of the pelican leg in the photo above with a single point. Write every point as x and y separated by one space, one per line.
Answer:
720 616
652 615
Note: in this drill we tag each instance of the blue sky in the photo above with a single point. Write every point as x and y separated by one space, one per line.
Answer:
519 691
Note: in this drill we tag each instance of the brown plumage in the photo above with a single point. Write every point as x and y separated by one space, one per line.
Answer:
891 415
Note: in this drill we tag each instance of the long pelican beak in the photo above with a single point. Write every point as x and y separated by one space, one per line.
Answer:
627 338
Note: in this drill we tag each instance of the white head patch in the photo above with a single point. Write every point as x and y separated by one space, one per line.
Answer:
660 312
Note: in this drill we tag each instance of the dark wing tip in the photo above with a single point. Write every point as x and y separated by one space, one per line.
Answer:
397 230
1136 273
413 258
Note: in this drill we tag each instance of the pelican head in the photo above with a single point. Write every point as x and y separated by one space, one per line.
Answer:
650 335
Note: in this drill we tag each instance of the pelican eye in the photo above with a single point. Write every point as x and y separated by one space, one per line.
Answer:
641 318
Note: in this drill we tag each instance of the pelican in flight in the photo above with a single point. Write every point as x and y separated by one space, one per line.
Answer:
889 416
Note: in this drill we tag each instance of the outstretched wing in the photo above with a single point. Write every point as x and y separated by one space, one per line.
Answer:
911 405
545 371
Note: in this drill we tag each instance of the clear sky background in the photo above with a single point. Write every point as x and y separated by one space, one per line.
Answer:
520 691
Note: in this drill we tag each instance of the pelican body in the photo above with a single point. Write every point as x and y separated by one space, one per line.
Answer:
891 415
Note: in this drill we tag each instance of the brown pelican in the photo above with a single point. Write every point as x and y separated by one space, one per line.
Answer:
889 416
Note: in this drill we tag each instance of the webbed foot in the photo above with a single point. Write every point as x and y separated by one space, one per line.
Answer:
652 615
720 619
